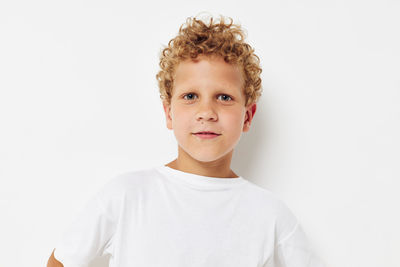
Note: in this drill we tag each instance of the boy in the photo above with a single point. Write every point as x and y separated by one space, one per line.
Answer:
194 211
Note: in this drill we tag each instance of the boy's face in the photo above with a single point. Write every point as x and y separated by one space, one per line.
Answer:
208 96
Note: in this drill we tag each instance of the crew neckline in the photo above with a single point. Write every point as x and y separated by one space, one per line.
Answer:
201 180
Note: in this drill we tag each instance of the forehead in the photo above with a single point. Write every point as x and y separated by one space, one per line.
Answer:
206 70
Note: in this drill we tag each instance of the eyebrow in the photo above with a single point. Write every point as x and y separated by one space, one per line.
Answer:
220 89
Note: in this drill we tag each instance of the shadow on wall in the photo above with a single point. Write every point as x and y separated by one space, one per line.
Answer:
100 261
249 151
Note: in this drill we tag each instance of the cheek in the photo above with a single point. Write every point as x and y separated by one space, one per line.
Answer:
233 120
180 117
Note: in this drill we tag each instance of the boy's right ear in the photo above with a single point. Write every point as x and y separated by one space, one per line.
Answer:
168 117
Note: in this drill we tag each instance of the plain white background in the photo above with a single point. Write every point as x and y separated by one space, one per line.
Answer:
79 104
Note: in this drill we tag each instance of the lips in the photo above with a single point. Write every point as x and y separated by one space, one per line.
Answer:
206 133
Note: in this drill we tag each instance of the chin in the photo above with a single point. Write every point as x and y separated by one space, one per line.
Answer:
203 154
207 157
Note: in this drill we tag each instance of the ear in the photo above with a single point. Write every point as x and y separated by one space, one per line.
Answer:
167 111
250 111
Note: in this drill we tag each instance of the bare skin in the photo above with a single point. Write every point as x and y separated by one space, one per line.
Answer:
206 79
53 262
219 168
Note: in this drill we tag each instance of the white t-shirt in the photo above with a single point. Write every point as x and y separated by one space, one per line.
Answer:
162 217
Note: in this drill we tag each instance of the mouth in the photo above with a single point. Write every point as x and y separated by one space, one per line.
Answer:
206 135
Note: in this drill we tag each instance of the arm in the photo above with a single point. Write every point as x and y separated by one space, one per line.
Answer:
53 262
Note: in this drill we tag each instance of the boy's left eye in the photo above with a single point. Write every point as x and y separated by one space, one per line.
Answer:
226 97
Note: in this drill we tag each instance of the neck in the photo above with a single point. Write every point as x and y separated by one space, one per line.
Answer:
217 168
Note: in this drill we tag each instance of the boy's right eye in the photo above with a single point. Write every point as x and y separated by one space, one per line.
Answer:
190 96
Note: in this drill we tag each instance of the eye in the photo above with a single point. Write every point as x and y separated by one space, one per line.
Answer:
226 97
190 95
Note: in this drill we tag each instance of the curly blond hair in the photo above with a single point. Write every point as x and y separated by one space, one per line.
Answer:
196 38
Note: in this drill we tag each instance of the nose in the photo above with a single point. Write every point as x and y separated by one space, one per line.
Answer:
206 112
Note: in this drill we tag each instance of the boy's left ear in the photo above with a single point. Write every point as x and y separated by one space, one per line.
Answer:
250 111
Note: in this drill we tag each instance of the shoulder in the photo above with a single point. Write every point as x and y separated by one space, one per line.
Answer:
272 208
127 183
265 197
133 178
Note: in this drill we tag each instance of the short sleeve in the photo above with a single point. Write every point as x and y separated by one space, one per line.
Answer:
291 247
295 251
88 236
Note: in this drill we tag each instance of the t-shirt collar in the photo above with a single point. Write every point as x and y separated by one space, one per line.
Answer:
201 180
